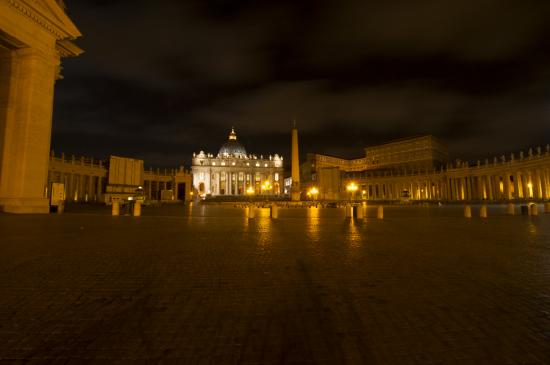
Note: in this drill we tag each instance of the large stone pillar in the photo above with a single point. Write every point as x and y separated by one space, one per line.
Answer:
517 194
508 186
26 101
544 183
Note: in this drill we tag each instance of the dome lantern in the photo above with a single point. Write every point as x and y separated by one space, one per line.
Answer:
232 147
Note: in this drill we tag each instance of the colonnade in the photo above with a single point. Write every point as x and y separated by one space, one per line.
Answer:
85 180
524 178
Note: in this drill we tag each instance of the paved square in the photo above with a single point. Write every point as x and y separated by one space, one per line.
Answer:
204 285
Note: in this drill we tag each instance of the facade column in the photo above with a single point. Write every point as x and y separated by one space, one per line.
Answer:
26 102
507 186
479 188
524 189
90 187
454 189
516 186
99 186
537 187
489 180
544 183
74 187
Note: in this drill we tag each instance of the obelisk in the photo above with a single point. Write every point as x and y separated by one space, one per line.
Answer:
295 188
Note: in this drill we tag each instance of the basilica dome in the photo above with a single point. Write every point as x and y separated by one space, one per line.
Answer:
232 147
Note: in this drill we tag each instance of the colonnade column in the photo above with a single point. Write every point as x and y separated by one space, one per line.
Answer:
99 189
26 102
544 183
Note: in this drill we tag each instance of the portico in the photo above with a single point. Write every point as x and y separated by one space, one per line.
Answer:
34 36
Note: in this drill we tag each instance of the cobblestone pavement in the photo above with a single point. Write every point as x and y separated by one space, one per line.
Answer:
212 287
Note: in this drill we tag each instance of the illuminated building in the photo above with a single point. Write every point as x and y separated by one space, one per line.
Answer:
232 171
419 169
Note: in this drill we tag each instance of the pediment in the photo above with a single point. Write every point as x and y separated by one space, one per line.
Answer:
50 15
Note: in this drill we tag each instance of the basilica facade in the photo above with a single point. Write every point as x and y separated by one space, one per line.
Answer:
234 172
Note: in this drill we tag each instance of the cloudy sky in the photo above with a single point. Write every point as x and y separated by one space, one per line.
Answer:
161 79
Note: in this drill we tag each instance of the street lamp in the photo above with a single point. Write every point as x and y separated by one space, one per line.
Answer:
266 186
250 192
352 188
312 192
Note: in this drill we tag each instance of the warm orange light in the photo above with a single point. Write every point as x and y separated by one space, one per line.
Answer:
352 187
313 191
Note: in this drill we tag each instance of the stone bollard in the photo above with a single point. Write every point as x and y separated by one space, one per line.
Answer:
511 209
533 209
116 208
137 208
546 207
349 211
274 211
251 211
380 212
467 211
483 211
359 212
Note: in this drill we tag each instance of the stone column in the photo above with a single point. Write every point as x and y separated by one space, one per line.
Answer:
537 186
26 102
98 191
490 187
90 187
524 189
517 194
507 186
544 183
229 183
480 190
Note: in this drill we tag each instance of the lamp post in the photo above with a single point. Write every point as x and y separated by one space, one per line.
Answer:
266 186
250 192
312 192
352 188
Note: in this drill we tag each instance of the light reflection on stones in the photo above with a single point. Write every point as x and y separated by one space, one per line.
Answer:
313 224
353 235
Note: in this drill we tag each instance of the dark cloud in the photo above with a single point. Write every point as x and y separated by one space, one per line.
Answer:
160 80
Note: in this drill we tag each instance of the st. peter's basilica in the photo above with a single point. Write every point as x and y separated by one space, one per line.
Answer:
234 172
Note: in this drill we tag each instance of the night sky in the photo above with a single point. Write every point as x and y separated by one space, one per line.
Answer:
163 79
